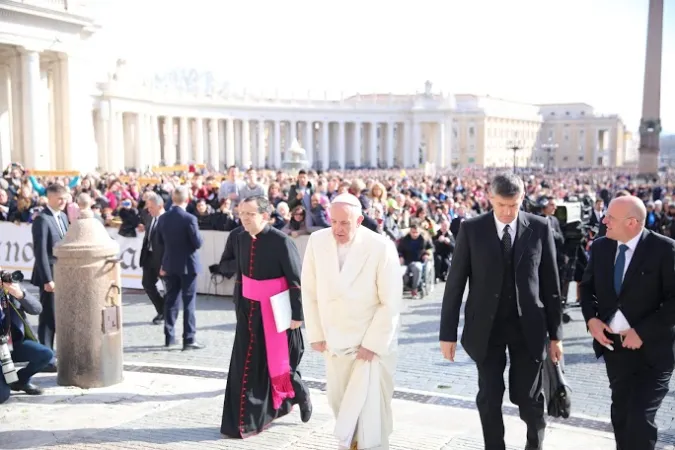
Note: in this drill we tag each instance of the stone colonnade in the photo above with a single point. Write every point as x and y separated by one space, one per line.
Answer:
138 140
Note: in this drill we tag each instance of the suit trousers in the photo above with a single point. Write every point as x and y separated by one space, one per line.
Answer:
47 319
186 287
149 282
638 387
525 387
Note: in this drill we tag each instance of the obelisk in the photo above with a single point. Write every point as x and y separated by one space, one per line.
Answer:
650 123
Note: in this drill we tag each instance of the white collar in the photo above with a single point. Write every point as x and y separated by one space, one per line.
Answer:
55 212
632 243
500 225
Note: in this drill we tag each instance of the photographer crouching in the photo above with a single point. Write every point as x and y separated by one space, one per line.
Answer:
17 342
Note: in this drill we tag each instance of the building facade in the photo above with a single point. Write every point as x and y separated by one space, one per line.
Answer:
45 97
186 117
492 132
573 135
54 115
667 150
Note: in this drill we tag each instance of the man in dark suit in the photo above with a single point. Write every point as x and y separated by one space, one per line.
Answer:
49 228
628 301
508 258
151 254
179 236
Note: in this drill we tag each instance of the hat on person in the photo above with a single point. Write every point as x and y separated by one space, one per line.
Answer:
348 199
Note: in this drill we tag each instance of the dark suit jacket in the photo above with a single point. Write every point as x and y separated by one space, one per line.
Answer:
478 260
647 297
151 260
179 236
45 235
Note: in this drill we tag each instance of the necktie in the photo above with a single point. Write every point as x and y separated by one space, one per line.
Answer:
506 241
619 265
59 224
150 231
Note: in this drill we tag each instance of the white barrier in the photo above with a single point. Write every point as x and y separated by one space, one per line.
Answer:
16 253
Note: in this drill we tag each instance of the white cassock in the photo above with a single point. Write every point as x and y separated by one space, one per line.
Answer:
352 296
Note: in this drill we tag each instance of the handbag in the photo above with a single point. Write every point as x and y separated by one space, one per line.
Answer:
556 390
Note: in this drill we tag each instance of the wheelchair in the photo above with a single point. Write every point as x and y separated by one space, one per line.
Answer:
426 283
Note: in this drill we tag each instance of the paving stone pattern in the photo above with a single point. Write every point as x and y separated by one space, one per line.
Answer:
420 366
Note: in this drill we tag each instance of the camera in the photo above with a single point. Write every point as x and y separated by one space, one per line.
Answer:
8 369
11 277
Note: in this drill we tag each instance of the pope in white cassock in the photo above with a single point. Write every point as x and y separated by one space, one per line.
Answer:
352 295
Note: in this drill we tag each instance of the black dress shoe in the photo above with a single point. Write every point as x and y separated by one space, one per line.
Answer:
159 318
28 388
49 368
193 346
306 411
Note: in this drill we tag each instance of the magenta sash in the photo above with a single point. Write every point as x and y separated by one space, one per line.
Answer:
276 343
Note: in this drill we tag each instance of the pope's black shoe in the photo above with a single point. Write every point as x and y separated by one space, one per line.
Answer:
306 410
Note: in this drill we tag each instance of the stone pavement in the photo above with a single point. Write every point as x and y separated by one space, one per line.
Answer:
182 410
420 366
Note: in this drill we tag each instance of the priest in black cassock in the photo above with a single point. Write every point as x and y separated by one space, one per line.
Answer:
263 383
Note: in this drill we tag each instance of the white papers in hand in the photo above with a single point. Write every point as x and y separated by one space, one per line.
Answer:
619 323
281 307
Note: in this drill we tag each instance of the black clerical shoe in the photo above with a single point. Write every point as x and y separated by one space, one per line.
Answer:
28 388
306 411
193 346
159 318
49 368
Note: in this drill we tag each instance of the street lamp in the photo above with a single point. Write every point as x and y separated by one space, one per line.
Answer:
514 148
549 146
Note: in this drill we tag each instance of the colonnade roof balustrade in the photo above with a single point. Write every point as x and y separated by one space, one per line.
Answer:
193 88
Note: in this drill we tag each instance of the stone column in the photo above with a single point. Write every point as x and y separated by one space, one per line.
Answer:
357 145
342 150
214 145
650 123
276 151
183 135
308 143
441 156
389 142
141 149
72 91
155 143
115 150
261 152
293 128
35 121
88 305
325 145
405 144
245 144
169 141
416 142
199 141
372 144
5 119
229 143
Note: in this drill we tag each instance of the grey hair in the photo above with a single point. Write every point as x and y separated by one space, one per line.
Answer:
84 200
261 201
181 195
507 185
155 198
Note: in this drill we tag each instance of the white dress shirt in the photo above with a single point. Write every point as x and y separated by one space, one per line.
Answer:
57 218
512 231
619 322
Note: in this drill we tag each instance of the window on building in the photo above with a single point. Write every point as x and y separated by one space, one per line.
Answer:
471 132
581 158
454 132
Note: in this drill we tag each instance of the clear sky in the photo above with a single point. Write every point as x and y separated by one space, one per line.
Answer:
536 51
